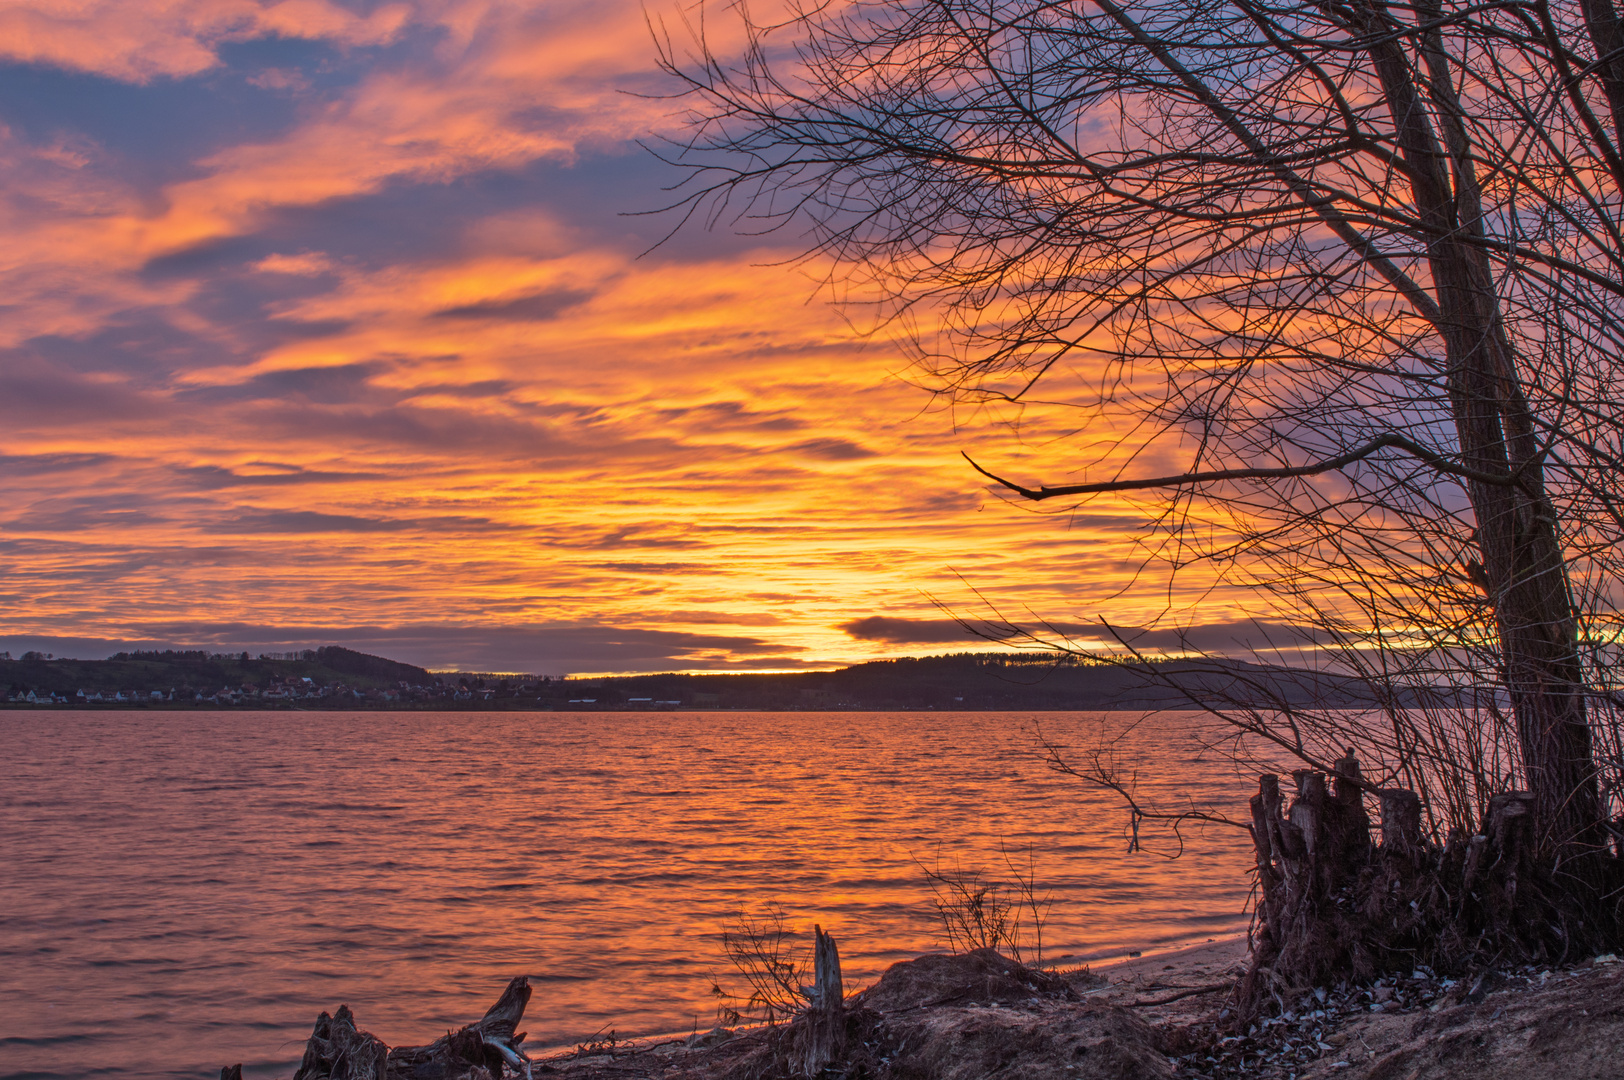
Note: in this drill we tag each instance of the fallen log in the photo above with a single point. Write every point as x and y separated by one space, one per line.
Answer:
338 1050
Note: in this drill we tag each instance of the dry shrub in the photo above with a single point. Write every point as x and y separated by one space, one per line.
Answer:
764 949
975 911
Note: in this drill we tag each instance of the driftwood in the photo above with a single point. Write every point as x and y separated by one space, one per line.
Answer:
491 1043
1335 905
342 1051
338 1050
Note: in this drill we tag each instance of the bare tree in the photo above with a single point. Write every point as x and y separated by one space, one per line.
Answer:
1362 262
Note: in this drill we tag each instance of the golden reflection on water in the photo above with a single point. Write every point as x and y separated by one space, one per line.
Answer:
194 887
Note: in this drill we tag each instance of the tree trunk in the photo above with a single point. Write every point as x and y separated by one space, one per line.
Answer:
1522 559
1606 34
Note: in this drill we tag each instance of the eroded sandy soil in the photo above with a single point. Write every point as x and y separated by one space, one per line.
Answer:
1155 1018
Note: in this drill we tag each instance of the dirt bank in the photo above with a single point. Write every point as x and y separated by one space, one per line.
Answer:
967 1017
1155 1017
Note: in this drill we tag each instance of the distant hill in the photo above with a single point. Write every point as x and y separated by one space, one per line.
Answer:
338 677
989 681
198 671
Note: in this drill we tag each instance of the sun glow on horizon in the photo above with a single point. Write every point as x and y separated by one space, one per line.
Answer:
328 327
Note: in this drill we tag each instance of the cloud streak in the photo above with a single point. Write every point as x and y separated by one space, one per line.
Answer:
1242 637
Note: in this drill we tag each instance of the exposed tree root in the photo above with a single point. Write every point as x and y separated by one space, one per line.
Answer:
1335 906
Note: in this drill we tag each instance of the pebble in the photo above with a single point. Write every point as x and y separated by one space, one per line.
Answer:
1280 1046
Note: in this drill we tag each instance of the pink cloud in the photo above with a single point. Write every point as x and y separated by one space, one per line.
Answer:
140 40
304 264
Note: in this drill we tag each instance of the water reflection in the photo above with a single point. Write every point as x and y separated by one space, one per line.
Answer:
188 889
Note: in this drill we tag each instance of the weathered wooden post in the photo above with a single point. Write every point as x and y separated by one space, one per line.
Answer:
823 1035
827 991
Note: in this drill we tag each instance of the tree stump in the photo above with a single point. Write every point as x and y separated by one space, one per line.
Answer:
1335 906
1401 821
820 1032
827 990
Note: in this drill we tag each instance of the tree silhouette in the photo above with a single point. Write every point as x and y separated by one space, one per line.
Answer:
1360 263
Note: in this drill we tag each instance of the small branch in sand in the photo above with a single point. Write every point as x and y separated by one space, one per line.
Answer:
1192 992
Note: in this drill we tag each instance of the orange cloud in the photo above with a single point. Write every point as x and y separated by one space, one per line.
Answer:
302 264
517 425
675 448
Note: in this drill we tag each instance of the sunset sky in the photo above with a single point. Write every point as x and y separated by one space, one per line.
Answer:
323 323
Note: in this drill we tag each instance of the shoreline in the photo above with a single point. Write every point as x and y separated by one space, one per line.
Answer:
1125 969
1156 1016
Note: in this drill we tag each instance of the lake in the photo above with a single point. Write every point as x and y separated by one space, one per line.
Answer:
186 890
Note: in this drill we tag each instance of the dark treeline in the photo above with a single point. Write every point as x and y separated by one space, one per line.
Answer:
196 676
982 681
337 677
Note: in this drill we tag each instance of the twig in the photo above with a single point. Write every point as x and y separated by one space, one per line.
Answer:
1182 994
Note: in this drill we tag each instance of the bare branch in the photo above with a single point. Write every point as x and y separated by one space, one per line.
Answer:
1263 231
1342 461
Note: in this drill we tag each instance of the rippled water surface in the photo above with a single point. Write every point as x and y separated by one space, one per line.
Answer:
186 890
